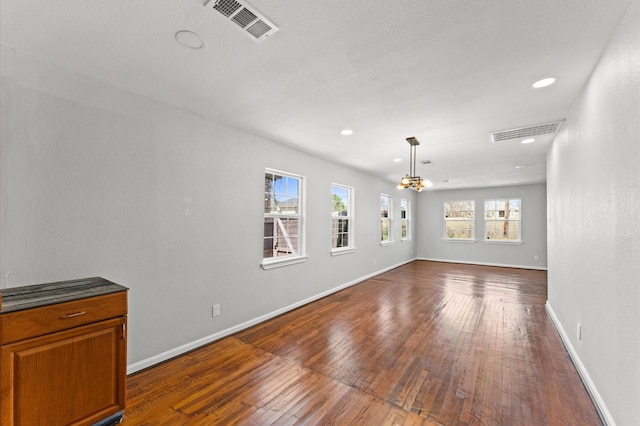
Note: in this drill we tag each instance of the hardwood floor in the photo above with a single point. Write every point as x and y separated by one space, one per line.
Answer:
425 344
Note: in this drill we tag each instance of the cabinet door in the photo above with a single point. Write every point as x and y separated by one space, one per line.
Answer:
70 377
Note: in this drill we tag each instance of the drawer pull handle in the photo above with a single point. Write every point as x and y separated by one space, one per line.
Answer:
75 314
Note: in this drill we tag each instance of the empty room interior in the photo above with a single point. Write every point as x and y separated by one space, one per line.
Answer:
362 212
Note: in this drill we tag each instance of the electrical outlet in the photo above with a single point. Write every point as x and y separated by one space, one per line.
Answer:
536 257
215 310
579 331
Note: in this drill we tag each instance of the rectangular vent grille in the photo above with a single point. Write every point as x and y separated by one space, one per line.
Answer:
227 7
244 17
252 22
525 132
259 29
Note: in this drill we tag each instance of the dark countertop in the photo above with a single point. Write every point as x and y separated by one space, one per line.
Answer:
32 296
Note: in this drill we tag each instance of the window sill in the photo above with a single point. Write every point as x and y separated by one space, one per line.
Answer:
341 251
272 264
386 243
450 240
405 240
508 242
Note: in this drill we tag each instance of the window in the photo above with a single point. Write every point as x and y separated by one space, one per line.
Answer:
502 220
405 219
283 219
459 220
385 218
341 218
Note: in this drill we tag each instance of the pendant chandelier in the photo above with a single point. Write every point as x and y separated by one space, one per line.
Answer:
411 180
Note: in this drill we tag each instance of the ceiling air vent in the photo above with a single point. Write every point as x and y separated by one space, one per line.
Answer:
251 21
525 132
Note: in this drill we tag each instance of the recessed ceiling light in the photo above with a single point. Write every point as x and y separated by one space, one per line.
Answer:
446 181
190 40
521 167
346 132
530 140
544 82
397 160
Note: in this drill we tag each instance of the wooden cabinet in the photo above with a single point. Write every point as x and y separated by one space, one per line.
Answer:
63 353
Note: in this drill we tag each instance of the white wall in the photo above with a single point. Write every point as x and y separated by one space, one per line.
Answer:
96 181
594 226
533 232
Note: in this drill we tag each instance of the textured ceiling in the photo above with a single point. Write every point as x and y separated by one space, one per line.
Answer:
448 73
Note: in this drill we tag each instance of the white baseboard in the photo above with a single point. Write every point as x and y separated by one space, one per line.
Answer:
172 353
604 413
501 265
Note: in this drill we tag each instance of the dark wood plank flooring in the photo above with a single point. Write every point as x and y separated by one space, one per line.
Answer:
425 344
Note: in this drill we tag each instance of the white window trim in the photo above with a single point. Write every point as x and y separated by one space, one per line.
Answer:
507 242
275 262
458 240
517 242
351 248
286 261
342 250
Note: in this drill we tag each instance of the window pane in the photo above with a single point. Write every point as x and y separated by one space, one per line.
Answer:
459 209
459 229
286 236
292 185
340 233
384 205
502 230
267 250
384 225
286 204
340 201
269 194
281 194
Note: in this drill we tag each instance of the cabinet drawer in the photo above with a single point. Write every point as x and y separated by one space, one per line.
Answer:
47 319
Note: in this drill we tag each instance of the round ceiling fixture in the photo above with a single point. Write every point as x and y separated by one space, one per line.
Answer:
544 82
346 132
190 40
